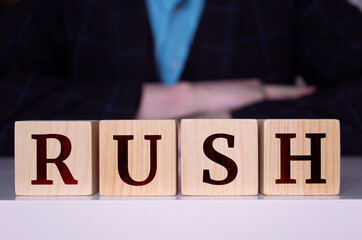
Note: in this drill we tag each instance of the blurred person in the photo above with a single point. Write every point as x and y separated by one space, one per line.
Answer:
3 5
153 59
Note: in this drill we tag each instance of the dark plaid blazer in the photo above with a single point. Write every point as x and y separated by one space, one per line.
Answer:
87 59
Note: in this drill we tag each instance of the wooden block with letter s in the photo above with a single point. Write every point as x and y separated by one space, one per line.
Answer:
138 157
219 157
56 157
299 157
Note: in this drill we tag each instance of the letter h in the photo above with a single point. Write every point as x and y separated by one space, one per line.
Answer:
286 158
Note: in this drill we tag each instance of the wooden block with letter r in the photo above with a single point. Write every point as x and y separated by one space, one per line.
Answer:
299 157
56 157
138 157
219 157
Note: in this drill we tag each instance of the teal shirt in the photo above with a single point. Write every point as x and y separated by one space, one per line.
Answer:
173 24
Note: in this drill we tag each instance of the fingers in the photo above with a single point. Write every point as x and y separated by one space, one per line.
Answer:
286 92
185 99
215 115
228 94
159 101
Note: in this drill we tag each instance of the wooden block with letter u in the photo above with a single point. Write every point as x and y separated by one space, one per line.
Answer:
138 157
219 157
56 157
299 157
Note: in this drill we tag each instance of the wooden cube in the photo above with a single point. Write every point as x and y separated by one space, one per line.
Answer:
219 157
299 157
56 157
138 157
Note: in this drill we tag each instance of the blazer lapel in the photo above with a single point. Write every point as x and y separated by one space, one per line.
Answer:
132 41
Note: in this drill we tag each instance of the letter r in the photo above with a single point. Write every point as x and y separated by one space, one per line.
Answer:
42 160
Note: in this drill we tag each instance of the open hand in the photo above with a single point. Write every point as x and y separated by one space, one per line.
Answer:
192 99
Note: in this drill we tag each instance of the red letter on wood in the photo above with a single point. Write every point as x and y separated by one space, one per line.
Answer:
42 160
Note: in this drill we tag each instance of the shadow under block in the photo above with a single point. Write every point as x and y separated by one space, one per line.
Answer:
299 157
56 157
219 157
138 157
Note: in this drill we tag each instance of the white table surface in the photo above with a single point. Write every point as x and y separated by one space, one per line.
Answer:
179 217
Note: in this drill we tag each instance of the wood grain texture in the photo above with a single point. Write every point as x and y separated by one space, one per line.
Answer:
82 161
244 154
300 170
165 180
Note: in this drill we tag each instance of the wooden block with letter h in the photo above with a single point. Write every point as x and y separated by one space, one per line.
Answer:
219 157
56 157
138 157
299 157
